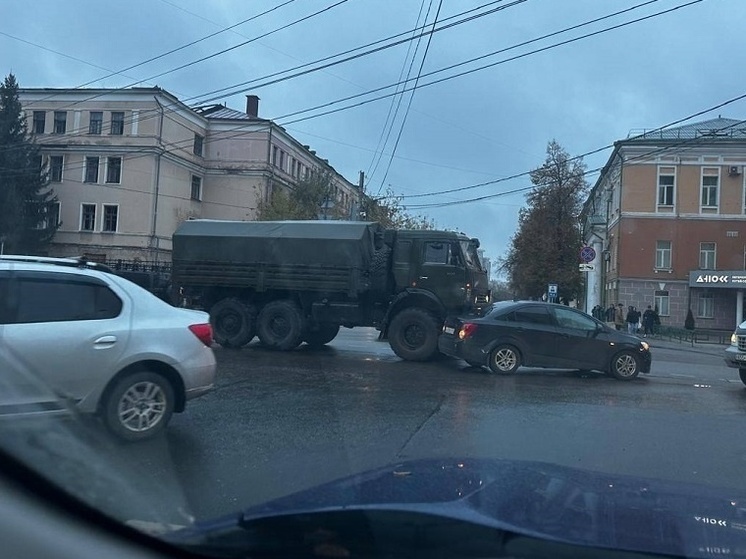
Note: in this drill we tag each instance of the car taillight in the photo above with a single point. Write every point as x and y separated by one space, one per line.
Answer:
203 332
467 330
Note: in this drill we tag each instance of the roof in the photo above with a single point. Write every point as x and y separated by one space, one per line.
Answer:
222 112
714 128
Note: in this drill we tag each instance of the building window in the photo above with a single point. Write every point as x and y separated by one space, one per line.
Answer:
707 253
706 305
663 255
198 143
663 303
114 170
88 217
666 184
196 188
117 123
56 163
51 217
710 181
40 119
275 155
111 218
60 122
282 160
95 125
91 169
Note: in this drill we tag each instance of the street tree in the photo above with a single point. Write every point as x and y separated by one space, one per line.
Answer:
27 206
311 198
545 247
388 211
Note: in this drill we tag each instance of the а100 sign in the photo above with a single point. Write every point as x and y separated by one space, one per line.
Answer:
713 278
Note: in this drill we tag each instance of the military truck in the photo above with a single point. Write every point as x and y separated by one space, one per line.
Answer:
291 282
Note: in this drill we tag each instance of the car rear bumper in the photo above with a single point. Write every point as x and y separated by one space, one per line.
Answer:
450 345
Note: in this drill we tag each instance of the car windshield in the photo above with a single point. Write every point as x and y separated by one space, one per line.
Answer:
336 256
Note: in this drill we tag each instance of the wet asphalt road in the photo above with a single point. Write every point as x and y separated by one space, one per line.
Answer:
281 422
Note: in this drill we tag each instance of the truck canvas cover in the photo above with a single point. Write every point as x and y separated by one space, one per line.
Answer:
273 253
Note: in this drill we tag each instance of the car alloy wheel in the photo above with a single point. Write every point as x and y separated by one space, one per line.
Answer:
139 405
505 360
624 366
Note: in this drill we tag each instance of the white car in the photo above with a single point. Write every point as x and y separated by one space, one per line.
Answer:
73 333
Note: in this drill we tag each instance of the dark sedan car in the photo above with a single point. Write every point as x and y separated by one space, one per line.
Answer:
535 334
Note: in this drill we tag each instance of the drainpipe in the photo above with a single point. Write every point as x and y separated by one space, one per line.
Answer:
154 241
271 177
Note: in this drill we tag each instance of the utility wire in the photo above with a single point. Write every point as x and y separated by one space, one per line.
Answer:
411 97
645 155
467 72
395 102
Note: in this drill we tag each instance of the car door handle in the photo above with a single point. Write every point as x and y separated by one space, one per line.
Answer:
423 277
451 273
105 341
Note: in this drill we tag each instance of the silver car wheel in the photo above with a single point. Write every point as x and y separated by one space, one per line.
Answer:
505 360
625 365
142 406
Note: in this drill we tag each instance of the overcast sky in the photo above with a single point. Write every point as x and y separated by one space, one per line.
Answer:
489 124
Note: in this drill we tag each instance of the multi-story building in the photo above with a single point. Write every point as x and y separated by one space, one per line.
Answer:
129 165
667 219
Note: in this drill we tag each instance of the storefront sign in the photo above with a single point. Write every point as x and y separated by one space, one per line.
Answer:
733 279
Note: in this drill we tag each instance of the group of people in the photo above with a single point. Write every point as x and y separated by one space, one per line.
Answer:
633 320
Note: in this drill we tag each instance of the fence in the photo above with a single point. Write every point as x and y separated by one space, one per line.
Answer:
119 264
702 336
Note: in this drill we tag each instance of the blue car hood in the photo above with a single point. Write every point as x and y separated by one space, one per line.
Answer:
534 499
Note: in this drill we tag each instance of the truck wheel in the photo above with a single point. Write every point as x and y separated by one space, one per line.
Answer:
233 322
280 325
323 335
413 334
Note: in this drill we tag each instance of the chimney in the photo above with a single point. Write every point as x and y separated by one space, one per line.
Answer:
252 106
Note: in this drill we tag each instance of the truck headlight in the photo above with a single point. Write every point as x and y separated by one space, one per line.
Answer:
734 339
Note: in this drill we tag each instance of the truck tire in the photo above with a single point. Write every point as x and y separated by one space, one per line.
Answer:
321 336
280 325
233 322
413 334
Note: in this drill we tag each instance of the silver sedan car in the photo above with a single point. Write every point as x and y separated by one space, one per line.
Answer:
75 336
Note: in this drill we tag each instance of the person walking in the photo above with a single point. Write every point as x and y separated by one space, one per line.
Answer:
648 321
632 318
619 317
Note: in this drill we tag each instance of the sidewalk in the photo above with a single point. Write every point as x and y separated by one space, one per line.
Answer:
695 347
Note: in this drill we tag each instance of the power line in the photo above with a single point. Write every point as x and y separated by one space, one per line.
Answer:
646 155
386 130
467 72
592 152
411 97
225 91
223 51
82 131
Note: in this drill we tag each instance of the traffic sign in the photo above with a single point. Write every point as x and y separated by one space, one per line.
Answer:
586 267
587 254
552 289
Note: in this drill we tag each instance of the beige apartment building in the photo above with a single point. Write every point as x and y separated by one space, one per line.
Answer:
667 220
129 165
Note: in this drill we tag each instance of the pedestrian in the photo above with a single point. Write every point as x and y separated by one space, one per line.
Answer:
610 312
648 321
619 317
632 319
